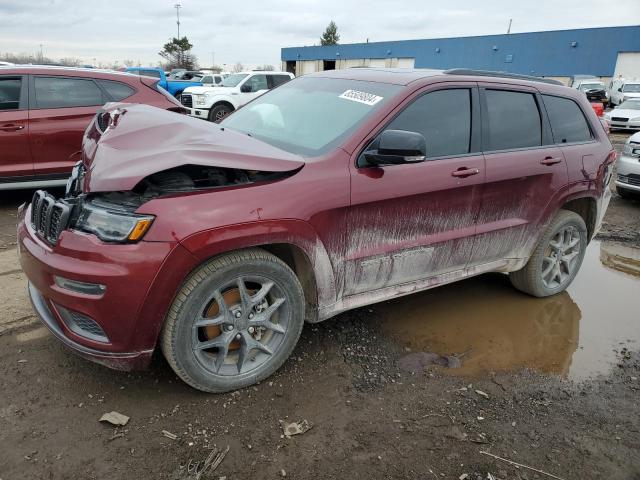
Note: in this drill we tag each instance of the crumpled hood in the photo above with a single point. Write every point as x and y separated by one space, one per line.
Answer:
142 140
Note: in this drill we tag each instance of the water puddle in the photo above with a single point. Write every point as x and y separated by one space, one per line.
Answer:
490 326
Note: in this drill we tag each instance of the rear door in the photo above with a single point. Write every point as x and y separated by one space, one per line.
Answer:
61 109
524 169
414 221
15 157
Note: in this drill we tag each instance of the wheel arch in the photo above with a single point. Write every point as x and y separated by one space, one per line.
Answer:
298 261
587 208
225 102
295 242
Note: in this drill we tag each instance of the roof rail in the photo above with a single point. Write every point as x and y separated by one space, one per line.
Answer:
488 73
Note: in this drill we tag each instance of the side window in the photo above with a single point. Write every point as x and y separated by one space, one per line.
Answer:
513 120
117 90
567 120
59 92
217 79
443 117
10 93
207 79
150 73
258 82
277 80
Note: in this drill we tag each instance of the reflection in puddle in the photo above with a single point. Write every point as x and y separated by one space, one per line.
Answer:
493 327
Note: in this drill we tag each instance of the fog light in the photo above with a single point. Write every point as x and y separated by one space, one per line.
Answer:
80 287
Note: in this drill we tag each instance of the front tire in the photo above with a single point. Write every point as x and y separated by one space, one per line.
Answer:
218 112
234 322
556 259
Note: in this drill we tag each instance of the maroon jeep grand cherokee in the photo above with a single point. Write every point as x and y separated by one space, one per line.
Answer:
333 191
44 112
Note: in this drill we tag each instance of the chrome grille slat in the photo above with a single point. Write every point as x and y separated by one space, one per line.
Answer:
48 216
186 100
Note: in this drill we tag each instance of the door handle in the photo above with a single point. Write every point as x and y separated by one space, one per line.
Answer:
11 128
550 160
464 172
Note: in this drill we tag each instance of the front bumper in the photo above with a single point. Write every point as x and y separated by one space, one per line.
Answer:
628 173
117 360
126 271
198 112
630 125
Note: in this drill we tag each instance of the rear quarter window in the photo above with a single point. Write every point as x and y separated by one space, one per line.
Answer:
568 123
117 90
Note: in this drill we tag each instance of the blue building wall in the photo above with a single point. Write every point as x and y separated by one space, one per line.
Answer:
556 53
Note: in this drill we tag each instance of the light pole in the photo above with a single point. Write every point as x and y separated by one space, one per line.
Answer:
177 6
41 55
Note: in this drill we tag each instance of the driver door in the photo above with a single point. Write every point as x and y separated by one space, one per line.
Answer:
413 221
253 87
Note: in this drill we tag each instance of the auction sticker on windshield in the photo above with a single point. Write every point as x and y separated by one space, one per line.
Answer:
361 97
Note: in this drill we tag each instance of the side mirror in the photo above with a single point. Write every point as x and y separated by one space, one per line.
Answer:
396 147
246 88
620 89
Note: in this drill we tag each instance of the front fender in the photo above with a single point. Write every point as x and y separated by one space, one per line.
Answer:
209 243
222 99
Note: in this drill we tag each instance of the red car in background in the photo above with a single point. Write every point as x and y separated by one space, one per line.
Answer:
44 112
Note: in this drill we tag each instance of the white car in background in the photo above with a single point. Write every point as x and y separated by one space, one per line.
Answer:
625 116
622 90
628 168
6 64
215 103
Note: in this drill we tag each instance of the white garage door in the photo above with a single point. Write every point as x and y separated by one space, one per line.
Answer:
628 65
376 62
406 62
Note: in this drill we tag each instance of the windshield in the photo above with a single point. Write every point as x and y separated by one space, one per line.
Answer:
591 86
309 116
631 88
630 105
233 80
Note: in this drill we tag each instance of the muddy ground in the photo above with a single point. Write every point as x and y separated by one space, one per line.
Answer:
415 388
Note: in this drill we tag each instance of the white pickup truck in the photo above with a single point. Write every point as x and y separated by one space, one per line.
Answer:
214 103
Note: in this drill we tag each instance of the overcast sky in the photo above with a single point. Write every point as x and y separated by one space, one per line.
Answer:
252 32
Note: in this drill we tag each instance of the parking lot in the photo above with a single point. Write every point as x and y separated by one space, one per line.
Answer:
421 387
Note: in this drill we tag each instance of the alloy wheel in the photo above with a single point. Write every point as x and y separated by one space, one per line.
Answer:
561 257
241 325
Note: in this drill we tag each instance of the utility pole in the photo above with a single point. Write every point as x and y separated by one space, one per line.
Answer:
41 55
213 59
177 6
509 29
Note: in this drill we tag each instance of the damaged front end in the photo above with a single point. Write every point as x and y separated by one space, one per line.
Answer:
111 214
112 217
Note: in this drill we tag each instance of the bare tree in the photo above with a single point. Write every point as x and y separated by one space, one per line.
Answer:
266 68
238 67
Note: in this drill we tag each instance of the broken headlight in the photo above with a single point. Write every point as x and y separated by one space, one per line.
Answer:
112 226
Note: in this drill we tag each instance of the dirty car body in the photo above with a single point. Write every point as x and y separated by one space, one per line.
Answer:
309 178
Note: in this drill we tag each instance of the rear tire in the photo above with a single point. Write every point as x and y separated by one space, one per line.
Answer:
218 112
556 259
234 322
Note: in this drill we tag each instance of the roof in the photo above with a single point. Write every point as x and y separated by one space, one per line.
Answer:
396 76
405 76
52 70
